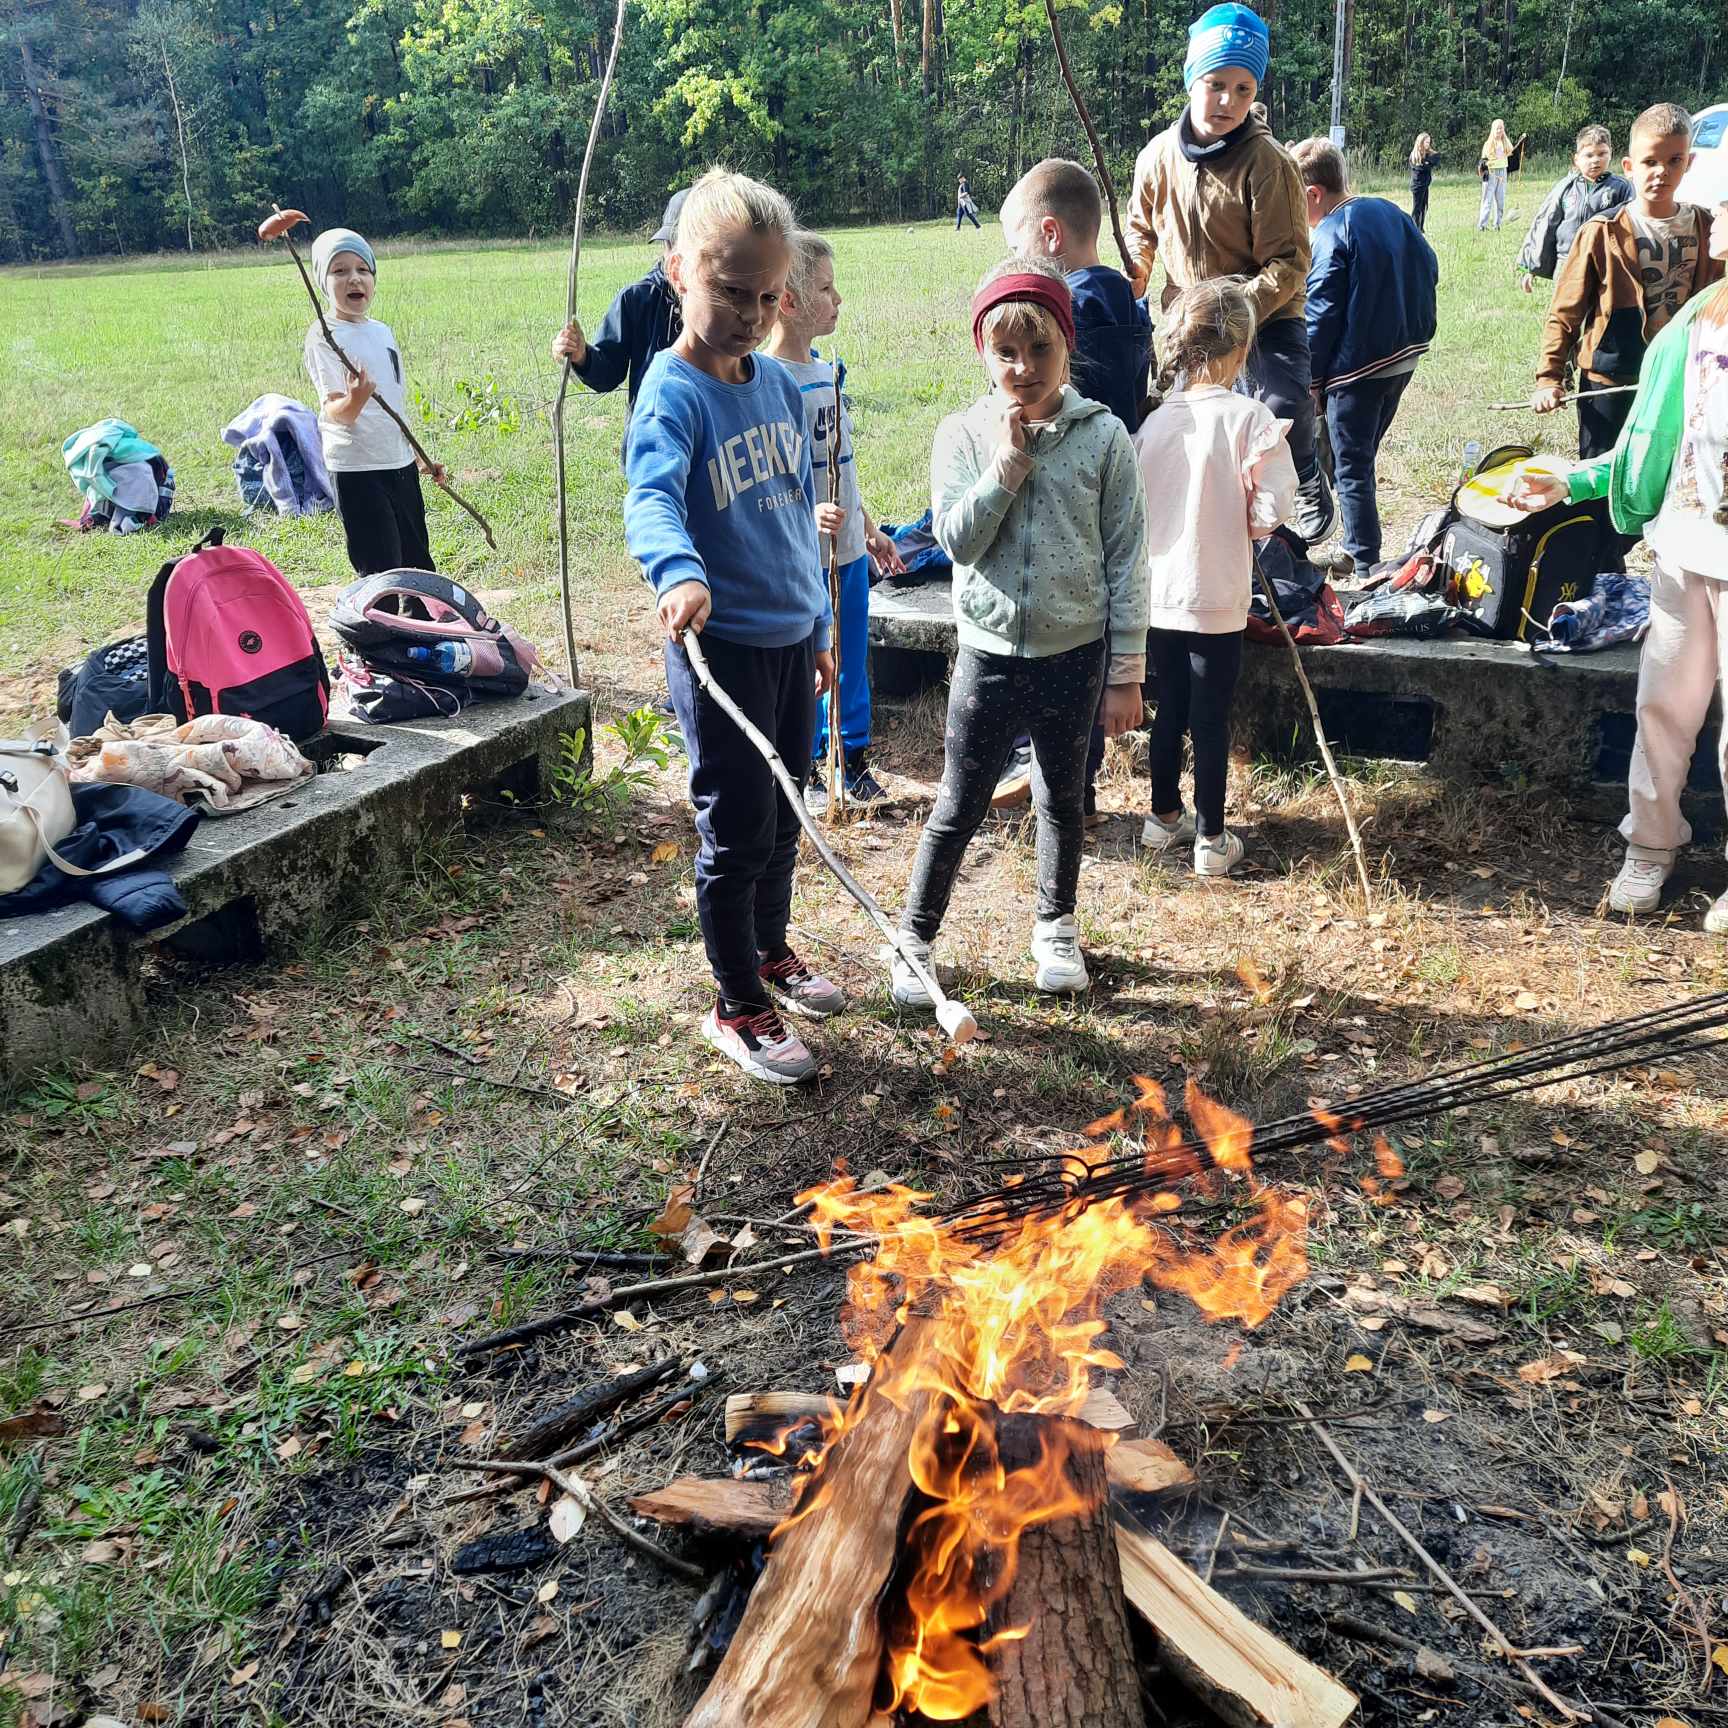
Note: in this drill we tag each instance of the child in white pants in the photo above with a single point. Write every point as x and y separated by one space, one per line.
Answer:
1667 476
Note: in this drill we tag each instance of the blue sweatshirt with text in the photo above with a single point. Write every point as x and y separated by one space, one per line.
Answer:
721 493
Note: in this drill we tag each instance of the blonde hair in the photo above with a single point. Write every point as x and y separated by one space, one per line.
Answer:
722 204
1665 120
808 253
1321 163
1203 325
1497 130
1424 146
1022 317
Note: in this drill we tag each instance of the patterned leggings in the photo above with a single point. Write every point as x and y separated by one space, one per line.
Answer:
992 698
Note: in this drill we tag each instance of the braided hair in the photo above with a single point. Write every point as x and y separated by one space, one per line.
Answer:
1203 325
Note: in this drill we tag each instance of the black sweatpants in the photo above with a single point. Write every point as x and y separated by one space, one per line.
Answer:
1419 205
1600 419
990 699
1196 679
748 832
384 519
1279 371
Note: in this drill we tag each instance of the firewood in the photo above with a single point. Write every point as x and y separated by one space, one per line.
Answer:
1075 1666
542 1437
1145 1467
719 1506
809 1648
1245 1675
1103 1409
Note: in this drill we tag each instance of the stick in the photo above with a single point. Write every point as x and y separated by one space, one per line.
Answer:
1091 137
630 1292
953 1017
275 228
567 369
1332 773
589 1502
1576 396
836 755
1441 1576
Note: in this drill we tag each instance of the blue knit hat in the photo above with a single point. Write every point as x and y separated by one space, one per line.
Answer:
1227 35
333 241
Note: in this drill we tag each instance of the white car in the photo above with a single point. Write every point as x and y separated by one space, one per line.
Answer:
1706 180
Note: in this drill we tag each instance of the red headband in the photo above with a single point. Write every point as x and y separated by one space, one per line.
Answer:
1050 292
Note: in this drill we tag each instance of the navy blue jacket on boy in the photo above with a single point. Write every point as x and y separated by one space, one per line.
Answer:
1113 342
644 319
1370 292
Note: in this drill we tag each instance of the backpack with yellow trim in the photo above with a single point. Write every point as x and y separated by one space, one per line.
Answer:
1508 569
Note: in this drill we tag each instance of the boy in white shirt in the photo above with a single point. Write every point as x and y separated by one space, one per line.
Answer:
374 469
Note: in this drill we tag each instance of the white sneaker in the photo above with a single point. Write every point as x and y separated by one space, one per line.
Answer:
1218 854
1159 836
1638 887
904 985
1716 919
1056 950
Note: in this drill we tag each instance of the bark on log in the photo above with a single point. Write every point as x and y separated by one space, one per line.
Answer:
809 1648
1075 1666
542 1437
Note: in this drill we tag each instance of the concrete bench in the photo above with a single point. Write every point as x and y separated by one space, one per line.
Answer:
72 981
1477 711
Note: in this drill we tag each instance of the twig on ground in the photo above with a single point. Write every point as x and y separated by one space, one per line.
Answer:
584 1497
707 1153
588 1257
1513 1654
527 1086
652 1287
1613 1538
592 1120
1217 1538
460 1054
1684 1600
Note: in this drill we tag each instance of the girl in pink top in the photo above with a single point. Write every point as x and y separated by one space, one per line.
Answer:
1218 476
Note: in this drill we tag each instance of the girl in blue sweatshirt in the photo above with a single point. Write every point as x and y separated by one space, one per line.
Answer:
720 515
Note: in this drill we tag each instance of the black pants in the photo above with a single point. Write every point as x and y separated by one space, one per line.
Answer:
1280 373
1600 418
748 833
1196 677
1419 206
1357 419
962 214
384 519
990 698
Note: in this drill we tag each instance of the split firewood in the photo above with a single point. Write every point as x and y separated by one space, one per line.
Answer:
1247 1677
542 1437
719 1505
809 1648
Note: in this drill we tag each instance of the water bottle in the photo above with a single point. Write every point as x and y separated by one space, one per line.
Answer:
448 657
1472 460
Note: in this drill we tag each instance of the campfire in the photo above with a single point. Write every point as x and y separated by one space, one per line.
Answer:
948 1551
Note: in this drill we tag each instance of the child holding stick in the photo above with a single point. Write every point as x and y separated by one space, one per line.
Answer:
1037 500
810 308
375 471
720 514
1219 476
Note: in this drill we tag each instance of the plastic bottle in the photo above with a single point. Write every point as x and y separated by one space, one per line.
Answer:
453 657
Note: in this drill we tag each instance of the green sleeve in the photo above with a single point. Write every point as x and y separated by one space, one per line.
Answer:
1589 480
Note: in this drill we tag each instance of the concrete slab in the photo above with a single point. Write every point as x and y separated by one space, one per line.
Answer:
72 981
1476 711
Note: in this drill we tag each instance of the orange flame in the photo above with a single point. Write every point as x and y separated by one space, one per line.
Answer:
1016 1326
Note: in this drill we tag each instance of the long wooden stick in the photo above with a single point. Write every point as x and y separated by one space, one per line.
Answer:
1442 1577
1332 773
1091 137
564 374
836 752
335 348
1575 396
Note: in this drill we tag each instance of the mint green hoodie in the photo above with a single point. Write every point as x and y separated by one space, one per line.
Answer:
1049 545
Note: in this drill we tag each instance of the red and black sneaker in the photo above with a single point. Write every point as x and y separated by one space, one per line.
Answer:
803 991
756 1039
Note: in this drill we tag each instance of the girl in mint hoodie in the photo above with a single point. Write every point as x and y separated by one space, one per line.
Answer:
1667 478
1036 498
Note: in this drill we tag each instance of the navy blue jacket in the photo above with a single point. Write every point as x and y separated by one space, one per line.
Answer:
1113 342
1370 292
644 319
112 821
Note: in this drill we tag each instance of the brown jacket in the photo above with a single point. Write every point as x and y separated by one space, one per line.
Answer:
1238 214
1597 314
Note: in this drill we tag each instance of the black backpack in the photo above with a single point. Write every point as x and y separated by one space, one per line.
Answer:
1507 574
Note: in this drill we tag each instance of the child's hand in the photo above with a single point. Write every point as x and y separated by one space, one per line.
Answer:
1529 283
436 473
1014 433
830 519
685 606
1532 492
1123 709
1546 398
570 344
824 671
360 391
884 553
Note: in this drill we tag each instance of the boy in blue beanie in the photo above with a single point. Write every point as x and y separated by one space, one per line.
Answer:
1216 195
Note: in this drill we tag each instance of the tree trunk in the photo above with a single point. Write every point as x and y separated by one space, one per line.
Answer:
180 134
48 151
1075 1667
895 22
927 46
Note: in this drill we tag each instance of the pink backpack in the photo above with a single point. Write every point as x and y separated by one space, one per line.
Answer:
228 634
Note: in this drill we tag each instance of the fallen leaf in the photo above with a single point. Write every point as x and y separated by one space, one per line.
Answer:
89 1394
567 1517
1639 1558
1359 1364
676 1213
101 1553
547 1591
624 1318
1436 1416
698 1239
746 1296
1720 1657
664 853
746 1238
290 1448
241 1675
32 1425
290 1323
1647 1163
413 1206
1527 999
307 1371
1546 1368
1405 1601
449 1640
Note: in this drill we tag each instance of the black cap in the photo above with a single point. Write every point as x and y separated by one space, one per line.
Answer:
668 229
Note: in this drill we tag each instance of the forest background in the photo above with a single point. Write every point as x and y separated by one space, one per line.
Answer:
151 125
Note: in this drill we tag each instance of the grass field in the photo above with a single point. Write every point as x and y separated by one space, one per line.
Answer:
177 349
